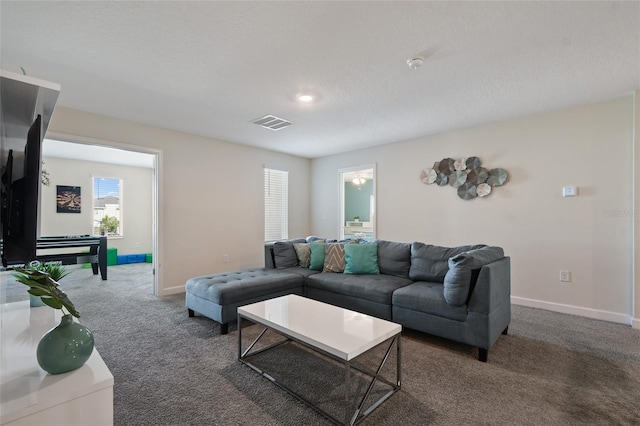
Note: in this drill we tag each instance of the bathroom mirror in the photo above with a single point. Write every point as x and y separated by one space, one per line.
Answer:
358 202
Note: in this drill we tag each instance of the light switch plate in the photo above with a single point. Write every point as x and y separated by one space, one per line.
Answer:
569 191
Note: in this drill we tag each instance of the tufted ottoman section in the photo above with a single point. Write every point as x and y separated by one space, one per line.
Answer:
217 296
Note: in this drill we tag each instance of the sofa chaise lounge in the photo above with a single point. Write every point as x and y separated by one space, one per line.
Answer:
459 293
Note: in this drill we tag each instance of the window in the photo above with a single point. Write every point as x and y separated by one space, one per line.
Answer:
276 204
107 206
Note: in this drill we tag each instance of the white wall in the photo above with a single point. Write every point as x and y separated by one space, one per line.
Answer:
136 202
636 193
211 194
590 235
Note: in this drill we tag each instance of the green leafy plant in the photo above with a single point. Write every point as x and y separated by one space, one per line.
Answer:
41 284
356 218
55 270
109 224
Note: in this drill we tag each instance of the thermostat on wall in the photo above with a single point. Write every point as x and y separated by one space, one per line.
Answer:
569 191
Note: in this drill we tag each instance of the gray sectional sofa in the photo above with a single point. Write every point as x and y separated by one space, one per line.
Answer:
459 293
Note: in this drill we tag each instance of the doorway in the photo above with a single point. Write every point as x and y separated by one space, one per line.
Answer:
95 159
358 202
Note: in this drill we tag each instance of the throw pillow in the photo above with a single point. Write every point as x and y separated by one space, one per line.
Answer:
304 254
430 263
361 259
457 281
284 255
316 260
334 257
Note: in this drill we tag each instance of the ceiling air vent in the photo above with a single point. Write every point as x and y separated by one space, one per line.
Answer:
272 122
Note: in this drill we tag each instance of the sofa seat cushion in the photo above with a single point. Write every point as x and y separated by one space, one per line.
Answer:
428 297
299 270
227 288
375 288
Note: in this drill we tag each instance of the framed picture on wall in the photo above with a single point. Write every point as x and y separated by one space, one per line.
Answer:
68 199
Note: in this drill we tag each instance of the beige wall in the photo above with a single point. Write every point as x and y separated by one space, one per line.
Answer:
211 200
210 196
590 235
636 193
136 202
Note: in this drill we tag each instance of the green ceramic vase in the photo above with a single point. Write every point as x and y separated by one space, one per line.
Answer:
35 301
65 347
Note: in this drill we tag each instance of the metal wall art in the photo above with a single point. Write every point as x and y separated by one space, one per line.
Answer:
466 175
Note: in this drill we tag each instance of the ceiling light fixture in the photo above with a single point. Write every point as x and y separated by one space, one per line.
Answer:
415 63
359 181
305 97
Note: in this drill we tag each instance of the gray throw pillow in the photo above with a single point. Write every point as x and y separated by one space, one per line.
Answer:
457 281
394 258
430 263
284 255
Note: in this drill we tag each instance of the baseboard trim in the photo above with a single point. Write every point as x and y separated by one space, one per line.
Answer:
577 310
636 323
172 290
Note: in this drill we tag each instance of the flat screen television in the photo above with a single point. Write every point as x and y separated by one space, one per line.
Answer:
20 202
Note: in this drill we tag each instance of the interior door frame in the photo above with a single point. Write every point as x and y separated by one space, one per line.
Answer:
342 194
156 182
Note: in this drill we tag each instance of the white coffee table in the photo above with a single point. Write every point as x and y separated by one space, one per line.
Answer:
338 333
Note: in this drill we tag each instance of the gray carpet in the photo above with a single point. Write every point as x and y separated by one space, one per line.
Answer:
169 369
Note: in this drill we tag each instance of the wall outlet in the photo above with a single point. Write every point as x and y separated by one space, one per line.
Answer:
225 258
565 276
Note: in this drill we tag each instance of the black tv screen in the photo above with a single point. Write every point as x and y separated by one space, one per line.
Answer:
20 224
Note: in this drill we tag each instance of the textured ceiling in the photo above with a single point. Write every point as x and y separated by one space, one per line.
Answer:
211 68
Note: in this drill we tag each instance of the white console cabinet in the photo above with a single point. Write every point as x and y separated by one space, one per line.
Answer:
31 396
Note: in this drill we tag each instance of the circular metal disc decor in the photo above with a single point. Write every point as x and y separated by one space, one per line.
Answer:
483 190
497 177
446 166
473 163
465 175
428 176
467 191
478 175
460 164
457 178
442 179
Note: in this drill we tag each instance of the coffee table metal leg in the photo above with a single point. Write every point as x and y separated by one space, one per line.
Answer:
350 418
376 376
347 394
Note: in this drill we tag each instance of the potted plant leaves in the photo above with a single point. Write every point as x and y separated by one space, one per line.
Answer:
69 345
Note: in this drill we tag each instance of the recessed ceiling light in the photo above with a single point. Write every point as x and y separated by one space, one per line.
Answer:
305 97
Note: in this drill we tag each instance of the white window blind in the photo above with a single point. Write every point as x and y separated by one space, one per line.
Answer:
276 204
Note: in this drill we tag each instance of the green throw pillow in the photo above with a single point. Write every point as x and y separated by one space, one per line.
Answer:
361 259
316 262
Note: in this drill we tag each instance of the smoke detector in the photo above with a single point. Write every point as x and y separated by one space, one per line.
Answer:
415 63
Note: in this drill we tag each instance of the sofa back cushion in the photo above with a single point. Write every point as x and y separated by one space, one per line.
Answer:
394 258
457 281
430 263
361 259
284 255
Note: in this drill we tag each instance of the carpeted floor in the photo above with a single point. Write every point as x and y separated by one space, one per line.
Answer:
169 369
